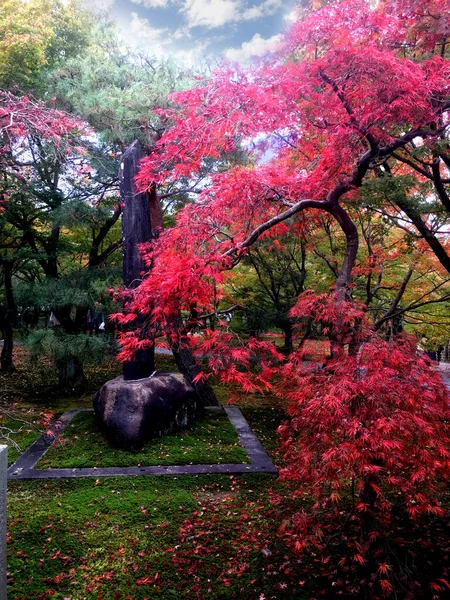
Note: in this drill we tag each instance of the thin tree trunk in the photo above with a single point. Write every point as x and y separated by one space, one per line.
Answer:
6 359
288 332
390 314
428 235
343 292
190 369
343 288
184 357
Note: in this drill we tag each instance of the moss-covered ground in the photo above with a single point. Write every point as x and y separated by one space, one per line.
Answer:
211 440
137 538
149 537
197 537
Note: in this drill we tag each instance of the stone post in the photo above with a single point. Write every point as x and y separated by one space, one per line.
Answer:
3 476
136 229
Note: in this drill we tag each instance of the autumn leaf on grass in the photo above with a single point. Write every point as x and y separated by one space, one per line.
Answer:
147 580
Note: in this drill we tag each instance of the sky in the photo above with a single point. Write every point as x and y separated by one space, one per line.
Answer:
195 31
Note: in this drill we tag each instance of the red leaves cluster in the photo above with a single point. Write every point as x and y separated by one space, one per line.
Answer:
250 368
352 78
21 116
397 25
368 437
377 416
381 414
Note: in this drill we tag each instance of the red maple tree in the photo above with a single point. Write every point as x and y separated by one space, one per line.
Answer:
22 117
353 88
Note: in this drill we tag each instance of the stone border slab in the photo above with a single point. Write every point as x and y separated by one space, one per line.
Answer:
23 468
36 451
3 565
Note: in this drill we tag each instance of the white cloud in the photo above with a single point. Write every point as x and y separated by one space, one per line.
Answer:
152 3
181 33
192 56
158 42
291 16
256 47
217 13
210 13
267 8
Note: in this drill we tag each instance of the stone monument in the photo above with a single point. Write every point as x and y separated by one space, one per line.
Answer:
142 403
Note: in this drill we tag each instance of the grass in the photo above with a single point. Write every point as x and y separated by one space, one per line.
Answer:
137 538
211 440
205 537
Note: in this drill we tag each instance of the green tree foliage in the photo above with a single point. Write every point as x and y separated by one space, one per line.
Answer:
268 283
37 35
64 217
116 89
120 92
397 277
63 210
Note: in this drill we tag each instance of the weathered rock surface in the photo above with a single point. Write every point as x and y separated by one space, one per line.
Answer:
135 411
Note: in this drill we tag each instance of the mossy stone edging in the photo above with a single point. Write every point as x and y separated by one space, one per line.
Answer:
23 468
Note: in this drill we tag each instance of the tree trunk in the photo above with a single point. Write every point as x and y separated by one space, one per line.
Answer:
433 242
136 229
190 369
71 375
184 357
142 221
288 332
343 282
182 350
6 360
343 290
63 316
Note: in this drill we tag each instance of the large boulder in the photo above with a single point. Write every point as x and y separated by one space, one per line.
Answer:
133 412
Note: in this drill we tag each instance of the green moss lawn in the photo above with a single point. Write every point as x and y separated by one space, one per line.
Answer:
209 441
138 538
149 537
202 537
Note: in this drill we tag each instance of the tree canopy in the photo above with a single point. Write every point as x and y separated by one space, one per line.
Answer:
338 110
356 100
36 36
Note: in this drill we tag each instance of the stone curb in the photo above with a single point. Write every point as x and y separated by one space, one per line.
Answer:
23 468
